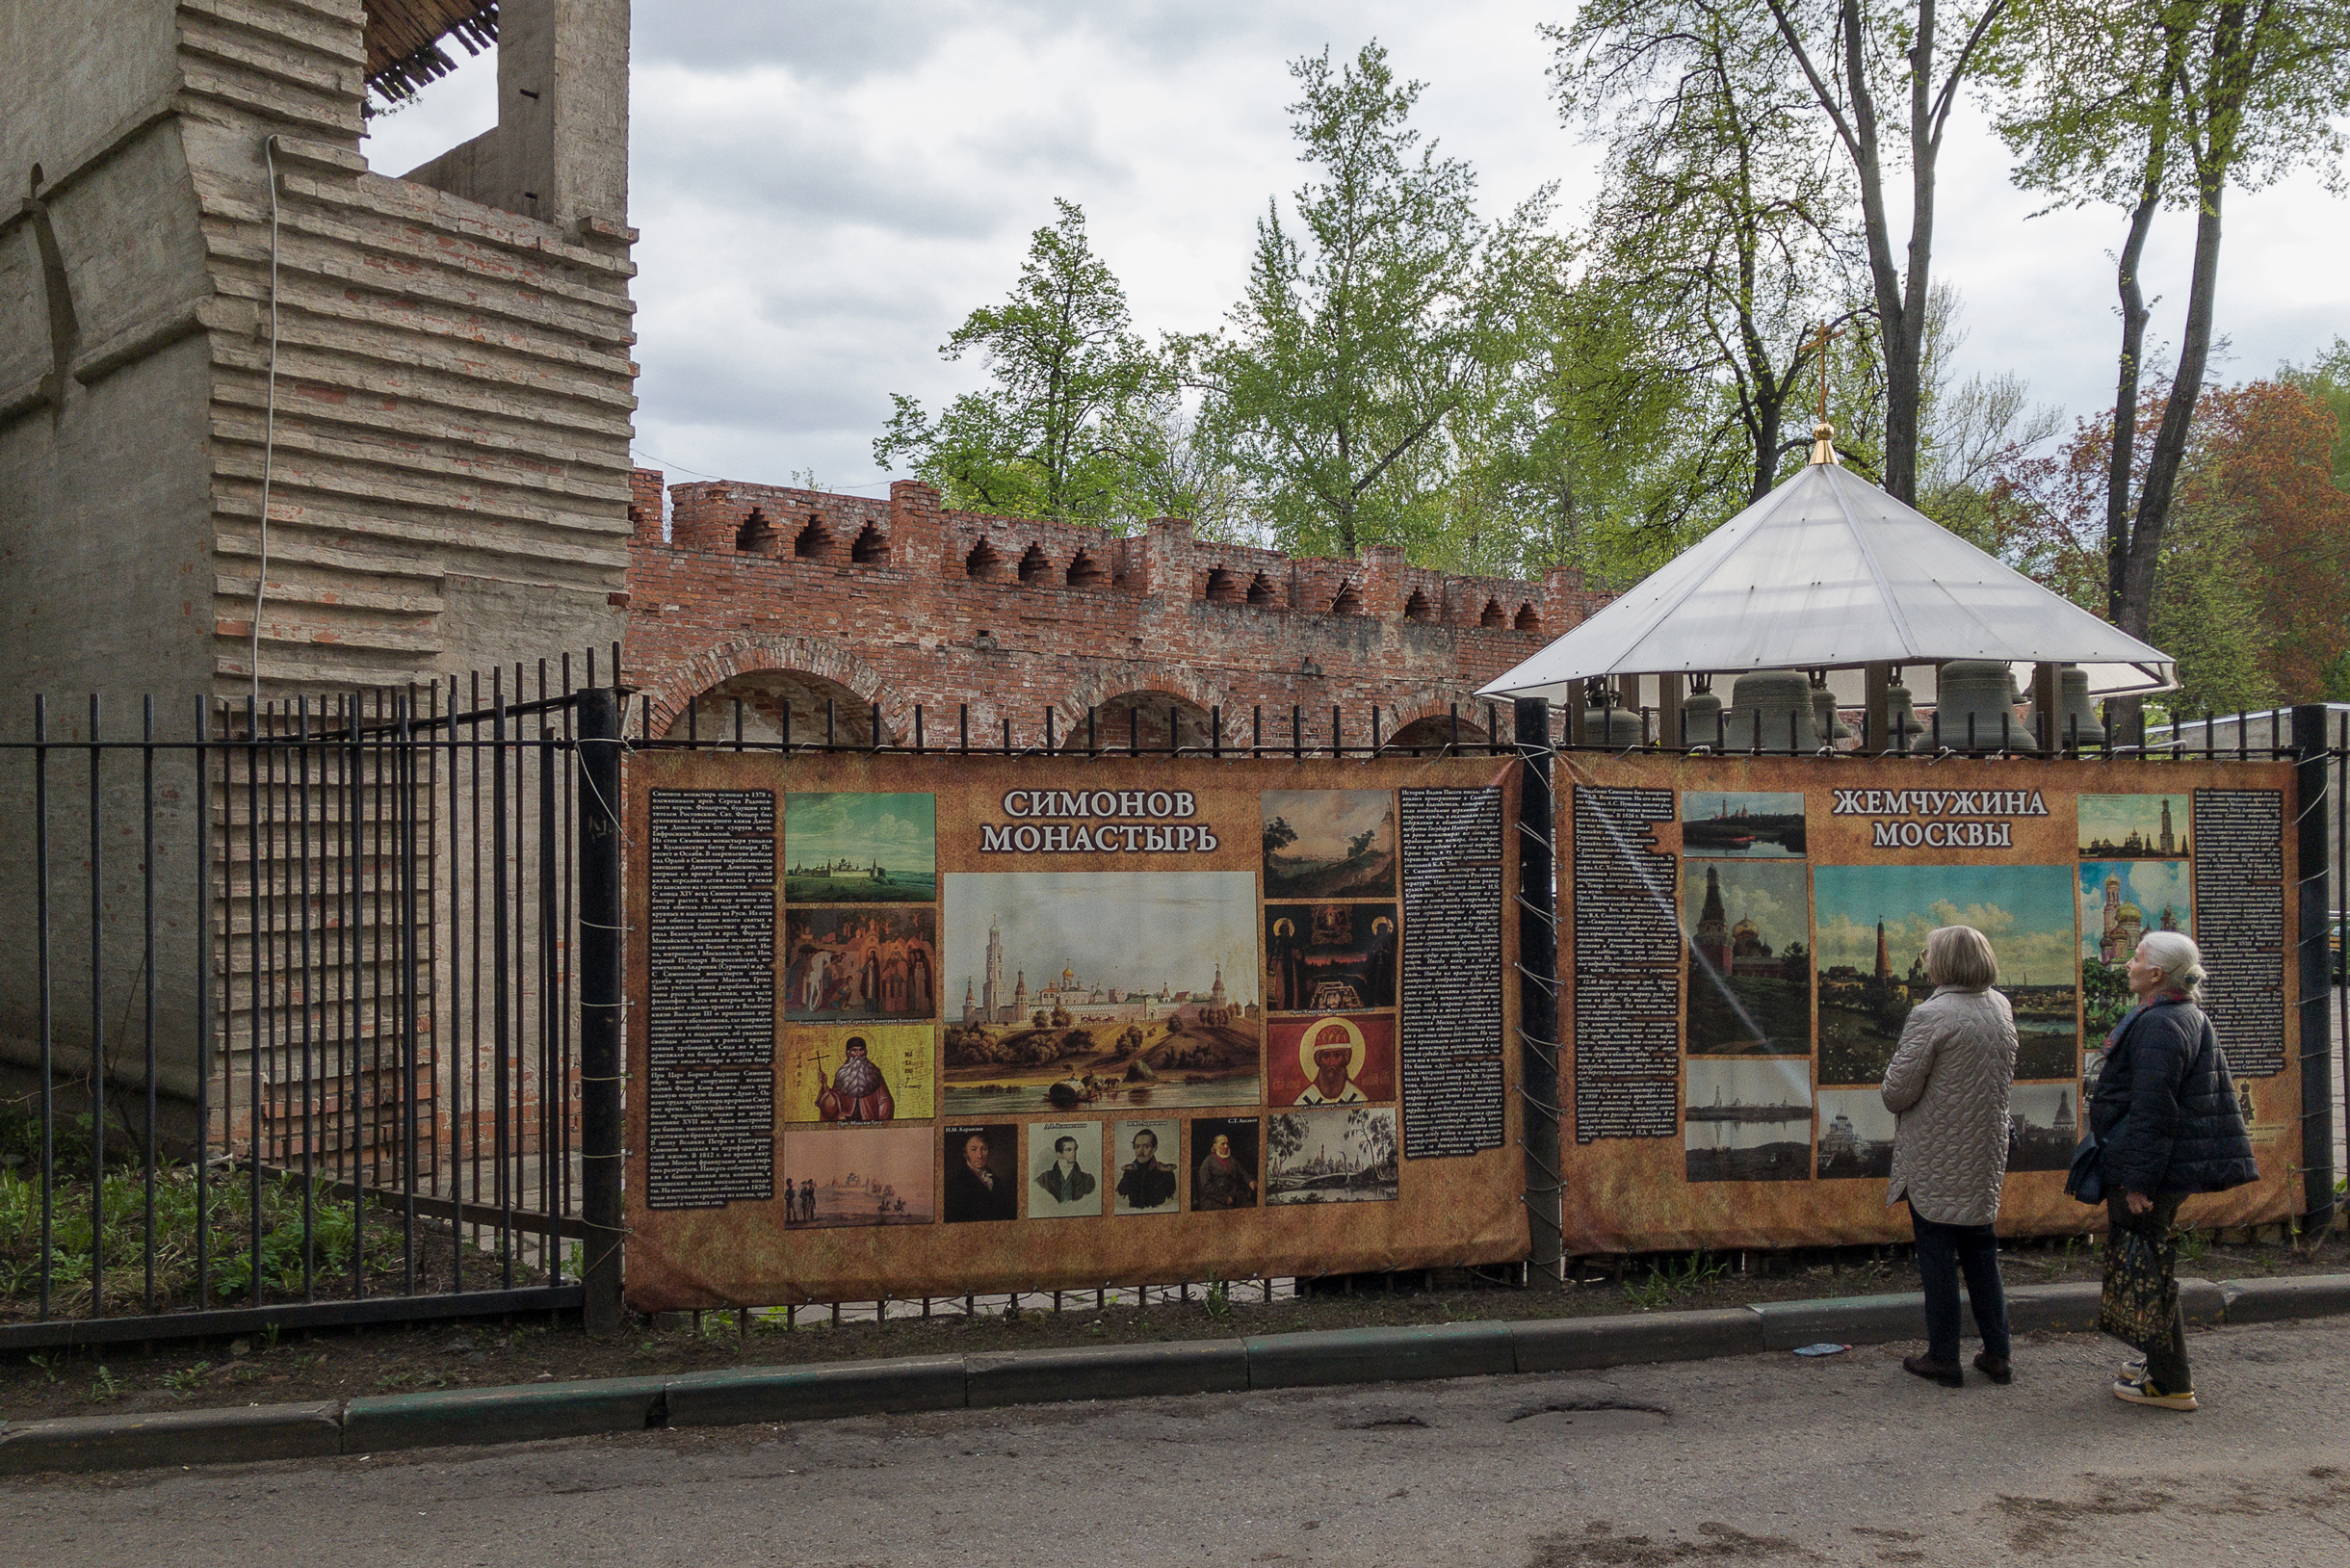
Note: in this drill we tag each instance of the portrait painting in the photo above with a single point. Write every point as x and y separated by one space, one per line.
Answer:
852 1073
1330 958
1065 1169
1342 1154
1223 1161
982 1164
835 1176
1329 843
1087 991
1335 1059
841 847
1148 1155
846 965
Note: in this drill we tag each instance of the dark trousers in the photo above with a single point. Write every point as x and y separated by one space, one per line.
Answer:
2166 1359
1943 1252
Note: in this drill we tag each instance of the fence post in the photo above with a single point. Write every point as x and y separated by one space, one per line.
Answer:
602 1128
1538 985
2310 764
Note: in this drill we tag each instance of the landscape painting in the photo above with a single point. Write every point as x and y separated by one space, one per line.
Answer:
1870 925
1133 990
1748 1121
1332 1156
2134 826
836 1176
860 848
1329 843
1748 927
1749 824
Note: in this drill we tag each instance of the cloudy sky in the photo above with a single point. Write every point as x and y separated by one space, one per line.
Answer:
826 189
2027 911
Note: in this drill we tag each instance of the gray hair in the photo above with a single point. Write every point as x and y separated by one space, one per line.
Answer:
1960 955
2179 959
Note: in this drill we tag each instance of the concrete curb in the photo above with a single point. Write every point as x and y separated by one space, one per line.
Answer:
825 1391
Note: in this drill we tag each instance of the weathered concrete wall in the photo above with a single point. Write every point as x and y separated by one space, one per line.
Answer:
780 595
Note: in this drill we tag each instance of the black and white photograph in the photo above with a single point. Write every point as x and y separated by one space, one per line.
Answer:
1748 1121
1856 1134
2042 1126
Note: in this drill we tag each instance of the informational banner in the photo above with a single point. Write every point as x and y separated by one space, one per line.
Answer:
1742 940
931 1026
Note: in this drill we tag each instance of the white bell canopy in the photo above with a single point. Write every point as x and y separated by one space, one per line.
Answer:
1829 571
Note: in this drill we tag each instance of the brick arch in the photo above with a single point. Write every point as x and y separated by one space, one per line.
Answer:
1123 680
1432 712
789 655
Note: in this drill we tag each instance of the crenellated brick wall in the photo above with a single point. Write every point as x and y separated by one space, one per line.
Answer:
785 596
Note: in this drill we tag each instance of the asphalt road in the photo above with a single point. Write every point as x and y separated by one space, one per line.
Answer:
1762 1460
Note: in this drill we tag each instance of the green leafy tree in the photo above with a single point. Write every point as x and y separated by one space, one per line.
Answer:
1075 423
1866 63
1367 320
1725 216
2162 105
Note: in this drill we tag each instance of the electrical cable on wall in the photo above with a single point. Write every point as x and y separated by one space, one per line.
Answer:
268 424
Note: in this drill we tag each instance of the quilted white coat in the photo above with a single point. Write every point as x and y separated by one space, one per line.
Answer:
1948 1086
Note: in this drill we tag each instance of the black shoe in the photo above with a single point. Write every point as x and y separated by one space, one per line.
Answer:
1995 1367
1944 1373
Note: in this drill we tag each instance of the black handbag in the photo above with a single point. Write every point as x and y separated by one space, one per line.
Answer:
2085 1178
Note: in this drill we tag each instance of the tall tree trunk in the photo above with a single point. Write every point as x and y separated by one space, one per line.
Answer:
2134 315
2170 446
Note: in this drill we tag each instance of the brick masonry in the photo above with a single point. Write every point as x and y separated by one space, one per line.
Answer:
775 596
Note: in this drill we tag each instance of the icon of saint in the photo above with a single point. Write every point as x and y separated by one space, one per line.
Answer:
857 1091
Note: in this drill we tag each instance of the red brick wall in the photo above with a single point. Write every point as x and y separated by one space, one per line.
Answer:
759 578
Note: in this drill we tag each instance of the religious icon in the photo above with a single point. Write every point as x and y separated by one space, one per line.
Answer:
1329 957
858 1073
1335 1059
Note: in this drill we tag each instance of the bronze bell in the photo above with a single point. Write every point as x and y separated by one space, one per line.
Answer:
2077 721
1900 718
1825 719
1700 718
1616 728
1981 691
1771 708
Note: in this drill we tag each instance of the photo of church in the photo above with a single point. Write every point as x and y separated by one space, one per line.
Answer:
1746 923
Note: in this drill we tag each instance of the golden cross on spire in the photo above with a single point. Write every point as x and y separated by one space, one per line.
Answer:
1823 439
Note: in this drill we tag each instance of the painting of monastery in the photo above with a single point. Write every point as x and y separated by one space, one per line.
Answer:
2135 828
1329 843
860 848
1748 925
2121 901
1102 988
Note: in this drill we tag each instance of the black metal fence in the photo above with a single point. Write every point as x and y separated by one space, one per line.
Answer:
297 1036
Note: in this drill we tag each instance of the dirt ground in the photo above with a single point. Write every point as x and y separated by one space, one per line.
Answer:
351 1363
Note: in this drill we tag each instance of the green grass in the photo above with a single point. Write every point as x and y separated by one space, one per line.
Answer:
228 1221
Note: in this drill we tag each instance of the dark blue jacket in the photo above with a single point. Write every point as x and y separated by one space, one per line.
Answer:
2166 1110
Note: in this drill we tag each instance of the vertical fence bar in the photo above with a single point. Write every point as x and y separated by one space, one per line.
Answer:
45 981
1538 985
253 987
97 1027
405 841
309 1075
550 1086
204 997
147 967
601 1130
2310 785
350 953
500 1009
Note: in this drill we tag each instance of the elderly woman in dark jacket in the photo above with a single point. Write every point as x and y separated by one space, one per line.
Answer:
2167 1125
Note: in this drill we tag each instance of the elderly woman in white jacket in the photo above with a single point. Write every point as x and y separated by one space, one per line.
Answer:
1949 1086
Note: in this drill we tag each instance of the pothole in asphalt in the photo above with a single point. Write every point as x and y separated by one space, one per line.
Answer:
1384 1422
1596 1417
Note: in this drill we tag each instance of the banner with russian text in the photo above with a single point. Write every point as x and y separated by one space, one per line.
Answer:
1742 939
932 1025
